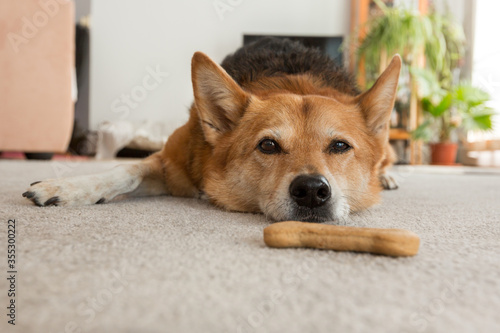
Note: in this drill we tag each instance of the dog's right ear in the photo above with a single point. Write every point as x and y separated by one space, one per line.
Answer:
219 99
378 102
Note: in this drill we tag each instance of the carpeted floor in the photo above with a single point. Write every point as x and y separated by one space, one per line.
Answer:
167 264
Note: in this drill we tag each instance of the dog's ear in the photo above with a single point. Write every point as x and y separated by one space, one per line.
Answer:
378 102
219 99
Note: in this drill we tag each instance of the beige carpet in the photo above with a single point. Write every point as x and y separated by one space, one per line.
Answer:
167 264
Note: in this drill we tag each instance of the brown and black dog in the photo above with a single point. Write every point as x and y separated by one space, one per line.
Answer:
278 128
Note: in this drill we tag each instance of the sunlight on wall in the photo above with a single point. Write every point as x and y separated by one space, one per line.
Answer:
486 67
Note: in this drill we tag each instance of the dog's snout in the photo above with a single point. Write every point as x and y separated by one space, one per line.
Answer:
310 190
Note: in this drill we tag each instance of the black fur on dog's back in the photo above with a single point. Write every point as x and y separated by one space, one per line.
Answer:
277 57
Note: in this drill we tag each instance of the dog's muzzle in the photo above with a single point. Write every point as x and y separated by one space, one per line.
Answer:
310 191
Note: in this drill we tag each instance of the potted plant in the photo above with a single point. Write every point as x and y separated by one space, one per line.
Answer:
431 42
461 107
395 30
432 38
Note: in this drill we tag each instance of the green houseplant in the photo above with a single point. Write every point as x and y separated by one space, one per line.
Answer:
432 47
407 32
460 107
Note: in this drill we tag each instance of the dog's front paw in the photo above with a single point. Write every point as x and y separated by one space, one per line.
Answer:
388 182
61 192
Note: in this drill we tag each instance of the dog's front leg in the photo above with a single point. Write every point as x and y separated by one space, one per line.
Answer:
388 182
145 178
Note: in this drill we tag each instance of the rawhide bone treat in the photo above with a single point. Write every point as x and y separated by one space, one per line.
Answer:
389 242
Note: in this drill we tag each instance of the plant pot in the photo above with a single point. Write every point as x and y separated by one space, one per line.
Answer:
443 153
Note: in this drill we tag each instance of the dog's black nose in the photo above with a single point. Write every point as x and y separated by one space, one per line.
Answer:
310 190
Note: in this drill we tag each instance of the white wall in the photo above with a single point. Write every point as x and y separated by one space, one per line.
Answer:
132 37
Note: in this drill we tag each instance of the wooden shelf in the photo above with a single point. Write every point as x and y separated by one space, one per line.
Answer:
360 14
399 134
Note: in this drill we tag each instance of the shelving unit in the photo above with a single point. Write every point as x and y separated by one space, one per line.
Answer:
361 11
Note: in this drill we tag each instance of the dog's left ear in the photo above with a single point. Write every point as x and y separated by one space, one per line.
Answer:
378 102
219 99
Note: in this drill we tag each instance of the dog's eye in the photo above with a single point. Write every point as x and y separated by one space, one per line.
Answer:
268 146
339 146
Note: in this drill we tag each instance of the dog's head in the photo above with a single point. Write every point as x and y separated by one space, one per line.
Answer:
307 157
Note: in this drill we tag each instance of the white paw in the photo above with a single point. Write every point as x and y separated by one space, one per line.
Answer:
388 182
64 192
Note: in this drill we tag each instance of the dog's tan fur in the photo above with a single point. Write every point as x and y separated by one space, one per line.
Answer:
215 152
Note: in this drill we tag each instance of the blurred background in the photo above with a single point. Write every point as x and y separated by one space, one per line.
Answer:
105 78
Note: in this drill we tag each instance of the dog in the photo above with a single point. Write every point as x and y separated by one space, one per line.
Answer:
277 128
